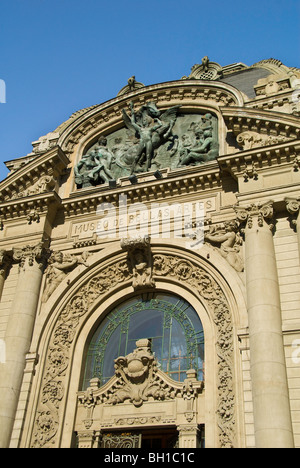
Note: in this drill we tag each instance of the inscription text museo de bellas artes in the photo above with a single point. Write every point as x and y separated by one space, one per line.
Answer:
157 220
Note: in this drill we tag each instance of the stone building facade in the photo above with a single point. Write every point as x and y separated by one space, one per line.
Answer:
150 276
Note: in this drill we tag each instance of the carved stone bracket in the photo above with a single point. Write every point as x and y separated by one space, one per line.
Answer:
293 205
140 260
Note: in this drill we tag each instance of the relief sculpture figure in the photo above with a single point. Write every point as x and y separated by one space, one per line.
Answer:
205 148
95 166
153 129
230 242
150 140
59 267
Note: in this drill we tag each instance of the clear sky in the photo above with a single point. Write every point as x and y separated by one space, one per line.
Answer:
59 56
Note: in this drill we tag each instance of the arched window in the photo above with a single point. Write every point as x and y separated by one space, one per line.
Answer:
171 324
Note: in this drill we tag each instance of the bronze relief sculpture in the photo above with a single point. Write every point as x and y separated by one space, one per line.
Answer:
151 140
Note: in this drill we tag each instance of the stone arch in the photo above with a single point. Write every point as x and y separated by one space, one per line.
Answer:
85 126
91 293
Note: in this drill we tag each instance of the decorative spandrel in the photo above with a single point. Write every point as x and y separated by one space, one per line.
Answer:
150 140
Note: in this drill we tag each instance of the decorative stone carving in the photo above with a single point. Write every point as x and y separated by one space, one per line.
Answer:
207 70
250 172
131 86
250 139
151 140
89 401
139 381
136 374
59 267
29 254
296 164
43 185
272 85
33 215
263 212
5 261
45 143
140 259
293 207
230 243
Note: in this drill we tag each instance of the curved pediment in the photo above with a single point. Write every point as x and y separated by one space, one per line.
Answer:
190 94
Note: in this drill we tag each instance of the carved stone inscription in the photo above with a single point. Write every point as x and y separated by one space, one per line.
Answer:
151 140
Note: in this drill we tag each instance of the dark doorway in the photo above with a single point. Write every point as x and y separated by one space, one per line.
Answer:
159 439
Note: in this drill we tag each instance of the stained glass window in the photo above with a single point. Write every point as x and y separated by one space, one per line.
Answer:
172 325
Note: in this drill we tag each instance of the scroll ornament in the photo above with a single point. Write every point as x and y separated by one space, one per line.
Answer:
262 211
293 207
29 254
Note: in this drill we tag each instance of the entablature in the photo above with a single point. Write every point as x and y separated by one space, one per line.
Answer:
146 187
263 158
274 124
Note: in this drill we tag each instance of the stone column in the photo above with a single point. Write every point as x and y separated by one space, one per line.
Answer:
272 417
293 207
19 334
5 262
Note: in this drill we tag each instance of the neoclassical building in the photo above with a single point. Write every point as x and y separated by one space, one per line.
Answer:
150 277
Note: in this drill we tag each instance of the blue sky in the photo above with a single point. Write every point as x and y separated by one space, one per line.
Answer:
59 56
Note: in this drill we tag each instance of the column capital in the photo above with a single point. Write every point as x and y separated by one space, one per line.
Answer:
261 211
30 254
5 261
292 205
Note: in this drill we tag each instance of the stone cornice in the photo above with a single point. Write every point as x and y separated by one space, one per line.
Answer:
51 164
23 207
261 158
241 119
